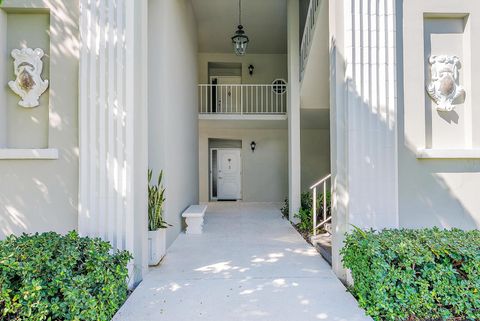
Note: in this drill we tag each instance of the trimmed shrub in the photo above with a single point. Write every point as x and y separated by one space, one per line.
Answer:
52 277
428 274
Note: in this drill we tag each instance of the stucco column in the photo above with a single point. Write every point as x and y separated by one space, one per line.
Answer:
113 127
294 170
363 119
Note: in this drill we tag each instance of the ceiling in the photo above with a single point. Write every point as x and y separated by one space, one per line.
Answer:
264 21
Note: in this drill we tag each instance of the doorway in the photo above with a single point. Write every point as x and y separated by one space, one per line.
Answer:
225 174
225 93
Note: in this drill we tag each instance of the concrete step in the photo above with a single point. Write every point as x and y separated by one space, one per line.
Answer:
328 227
323 244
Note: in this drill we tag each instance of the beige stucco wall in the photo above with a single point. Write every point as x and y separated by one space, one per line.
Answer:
173 120
268 67
442 191
41 195
315 156
264 172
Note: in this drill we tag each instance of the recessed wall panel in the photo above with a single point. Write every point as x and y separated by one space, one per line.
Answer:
26 127
445 129
438 165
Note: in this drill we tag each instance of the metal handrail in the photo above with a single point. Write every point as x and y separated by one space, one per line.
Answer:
325 219
321 181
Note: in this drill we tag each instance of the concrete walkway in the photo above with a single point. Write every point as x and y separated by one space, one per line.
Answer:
249 264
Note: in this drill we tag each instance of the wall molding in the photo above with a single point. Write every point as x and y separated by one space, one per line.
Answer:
19 154
425 153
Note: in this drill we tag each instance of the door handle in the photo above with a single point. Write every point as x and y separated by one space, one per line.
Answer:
220 177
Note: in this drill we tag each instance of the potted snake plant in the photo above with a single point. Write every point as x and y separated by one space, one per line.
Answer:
156 224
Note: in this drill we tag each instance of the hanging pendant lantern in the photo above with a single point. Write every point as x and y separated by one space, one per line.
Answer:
240 39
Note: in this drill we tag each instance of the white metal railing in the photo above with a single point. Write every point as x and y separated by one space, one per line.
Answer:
326 216
308 31
242 99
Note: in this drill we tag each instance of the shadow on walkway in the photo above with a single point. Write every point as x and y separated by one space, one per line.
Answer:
249 264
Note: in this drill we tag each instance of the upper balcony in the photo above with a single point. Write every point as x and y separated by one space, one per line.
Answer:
243 101
242 87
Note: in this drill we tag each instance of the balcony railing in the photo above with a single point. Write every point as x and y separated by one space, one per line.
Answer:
243 99
310 23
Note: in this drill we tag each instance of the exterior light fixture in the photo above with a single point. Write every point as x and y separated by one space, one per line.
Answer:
240 39
250 69
253 145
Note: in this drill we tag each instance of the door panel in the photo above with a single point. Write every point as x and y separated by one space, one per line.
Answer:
229 174
227 94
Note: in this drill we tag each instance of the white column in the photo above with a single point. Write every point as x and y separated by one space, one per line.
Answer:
113 130
294 170
363 117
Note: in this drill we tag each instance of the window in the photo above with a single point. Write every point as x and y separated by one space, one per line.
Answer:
279 86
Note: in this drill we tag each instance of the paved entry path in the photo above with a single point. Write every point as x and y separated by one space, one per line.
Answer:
250 264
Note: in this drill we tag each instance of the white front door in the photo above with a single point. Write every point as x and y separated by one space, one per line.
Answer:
229 181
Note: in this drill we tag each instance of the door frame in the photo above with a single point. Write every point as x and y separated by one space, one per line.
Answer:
210 171
225 77
214 92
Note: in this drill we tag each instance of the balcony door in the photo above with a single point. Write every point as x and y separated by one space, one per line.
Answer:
226 96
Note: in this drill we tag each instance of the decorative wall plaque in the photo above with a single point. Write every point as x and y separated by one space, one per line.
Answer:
28 68
444 88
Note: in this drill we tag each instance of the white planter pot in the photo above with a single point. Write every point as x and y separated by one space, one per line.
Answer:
156 246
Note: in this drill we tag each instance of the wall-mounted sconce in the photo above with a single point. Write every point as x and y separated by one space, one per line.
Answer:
250 69
253 146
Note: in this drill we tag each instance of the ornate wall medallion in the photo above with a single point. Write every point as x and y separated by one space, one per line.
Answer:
444 88
28 67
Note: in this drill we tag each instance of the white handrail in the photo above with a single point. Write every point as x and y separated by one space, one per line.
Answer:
242 99
308 31
325 219
321 181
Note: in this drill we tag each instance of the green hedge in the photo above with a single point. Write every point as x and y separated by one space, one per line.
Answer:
52 277
428 274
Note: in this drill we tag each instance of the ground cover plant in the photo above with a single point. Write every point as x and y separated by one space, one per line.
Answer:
304 214
427 274
53 277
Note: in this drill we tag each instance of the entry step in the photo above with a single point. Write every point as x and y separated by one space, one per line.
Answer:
323 244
